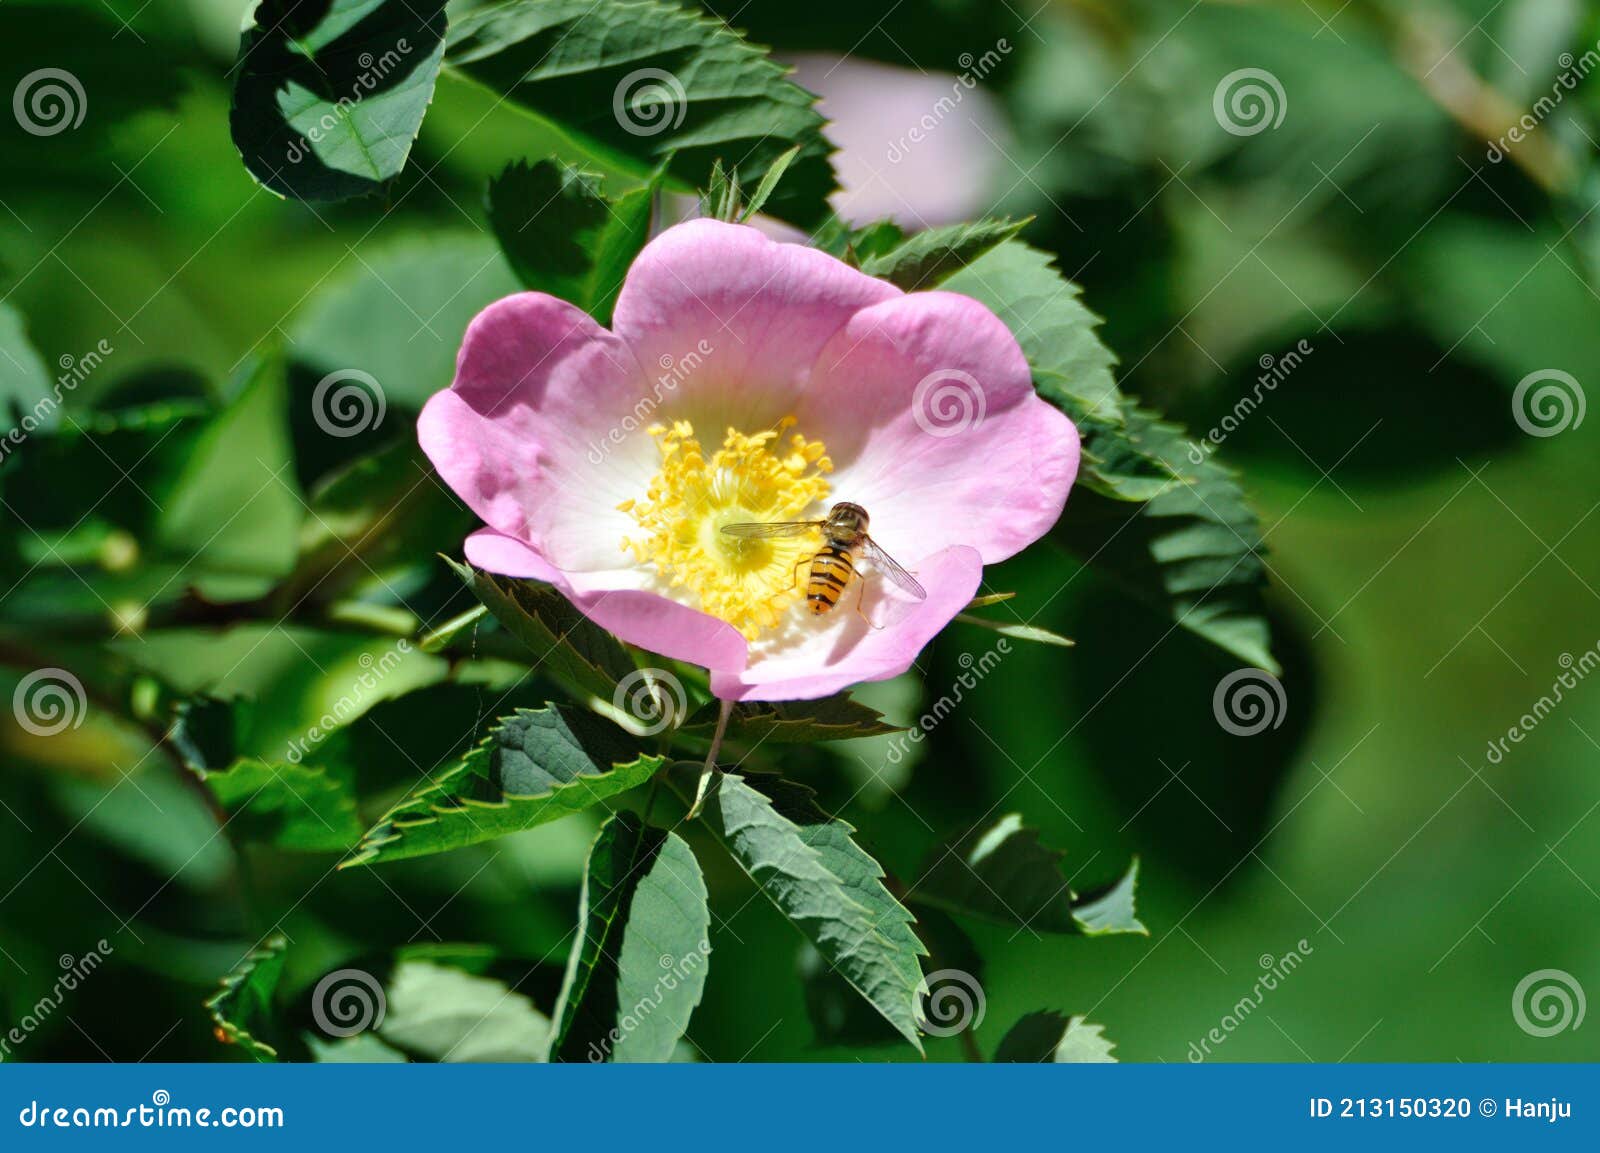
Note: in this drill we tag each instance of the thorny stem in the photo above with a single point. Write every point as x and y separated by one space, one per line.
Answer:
704 786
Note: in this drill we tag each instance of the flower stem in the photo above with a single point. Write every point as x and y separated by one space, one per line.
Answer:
704 786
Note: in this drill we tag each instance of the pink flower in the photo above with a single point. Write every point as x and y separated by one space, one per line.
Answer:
744 381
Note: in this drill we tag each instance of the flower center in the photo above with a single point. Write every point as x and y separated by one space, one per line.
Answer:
763 477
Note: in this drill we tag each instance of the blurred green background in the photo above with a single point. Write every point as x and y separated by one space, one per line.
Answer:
1431 562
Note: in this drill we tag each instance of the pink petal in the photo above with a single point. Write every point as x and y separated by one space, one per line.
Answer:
927 406
750 313
522 434
633 613
844 651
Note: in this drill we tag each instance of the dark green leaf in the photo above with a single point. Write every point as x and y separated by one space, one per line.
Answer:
537 765
930 256
1052 1037
242 1010
1193 552
303 808
233 514
562 234
1016 630
330 94
1002 873
793 722
638 967
649 82
769 184
562 641
808 866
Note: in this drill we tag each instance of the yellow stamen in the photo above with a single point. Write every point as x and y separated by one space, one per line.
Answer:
748 583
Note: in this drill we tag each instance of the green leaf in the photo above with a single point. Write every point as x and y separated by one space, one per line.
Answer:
1193 553
563 642
400 312
935 254
1052 1037
372 522
301 808
834 718
638 967
1071 366
833 892
537 765
1003 873
233 512
27 392
1191 545
242 1008
440 1013
769 184
646 83
329 96
1016 630
562 234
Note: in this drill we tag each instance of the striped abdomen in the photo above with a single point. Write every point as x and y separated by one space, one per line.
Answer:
831 571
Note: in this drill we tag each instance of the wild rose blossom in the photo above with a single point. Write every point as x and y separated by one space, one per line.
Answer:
747 380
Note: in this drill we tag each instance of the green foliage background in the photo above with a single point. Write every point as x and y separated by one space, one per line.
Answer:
1428 563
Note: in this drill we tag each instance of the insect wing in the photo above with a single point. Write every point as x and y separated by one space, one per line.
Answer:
770 529
891 568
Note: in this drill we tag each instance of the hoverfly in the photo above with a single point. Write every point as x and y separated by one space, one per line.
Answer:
844 531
